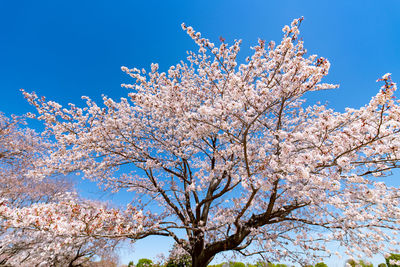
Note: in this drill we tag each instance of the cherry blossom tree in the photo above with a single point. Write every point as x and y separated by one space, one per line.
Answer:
62 233
26 202
19 149
224 155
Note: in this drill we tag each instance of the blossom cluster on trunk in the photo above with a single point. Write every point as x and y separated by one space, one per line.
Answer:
232 155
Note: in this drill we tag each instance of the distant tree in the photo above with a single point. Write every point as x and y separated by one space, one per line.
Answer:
218 265
23 195
393 260
260 263
237 264
107 260
358 263
269 264
178 257
144 263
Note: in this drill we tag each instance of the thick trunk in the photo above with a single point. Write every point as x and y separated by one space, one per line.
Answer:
201 260
203 255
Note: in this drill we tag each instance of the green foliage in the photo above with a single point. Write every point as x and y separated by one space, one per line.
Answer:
365 264
382 265
321 264
392 257
184 261
358 263
217 265
130 264
237 264
260 263
276 265
144 263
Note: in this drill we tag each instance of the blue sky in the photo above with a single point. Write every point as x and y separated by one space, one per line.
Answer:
66 49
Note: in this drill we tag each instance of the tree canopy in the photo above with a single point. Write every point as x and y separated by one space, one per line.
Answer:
234 156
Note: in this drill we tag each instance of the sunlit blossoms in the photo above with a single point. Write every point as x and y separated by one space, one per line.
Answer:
33 238
41 224
230 154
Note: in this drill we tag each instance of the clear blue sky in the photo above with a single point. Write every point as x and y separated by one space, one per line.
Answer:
66 49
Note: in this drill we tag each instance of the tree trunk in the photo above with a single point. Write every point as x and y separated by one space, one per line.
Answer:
201 260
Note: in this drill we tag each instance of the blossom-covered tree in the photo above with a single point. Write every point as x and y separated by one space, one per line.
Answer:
231 155
58 233
27 206
19 150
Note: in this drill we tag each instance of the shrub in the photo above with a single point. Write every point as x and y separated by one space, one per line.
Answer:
392 260
261 263
144 263
237 264
276 265
321 264
183 261
354 263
